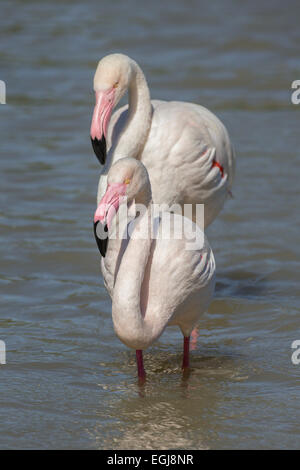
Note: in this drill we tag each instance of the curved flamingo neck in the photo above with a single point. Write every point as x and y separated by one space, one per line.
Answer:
130 323
133 137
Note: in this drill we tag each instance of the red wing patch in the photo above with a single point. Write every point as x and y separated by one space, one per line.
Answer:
215 163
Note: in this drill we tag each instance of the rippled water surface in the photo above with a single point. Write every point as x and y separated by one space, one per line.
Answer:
68 381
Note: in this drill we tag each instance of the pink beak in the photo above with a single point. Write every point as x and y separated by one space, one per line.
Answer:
100 121
105 212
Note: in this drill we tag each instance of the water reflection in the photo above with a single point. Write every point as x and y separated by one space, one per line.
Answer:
172 409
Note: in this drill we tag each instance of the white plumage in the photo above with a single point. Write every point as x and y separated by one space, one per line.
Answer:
153 281
185 148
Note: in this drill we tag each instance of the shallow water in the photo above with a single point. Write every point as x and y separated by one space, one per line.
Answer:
68 381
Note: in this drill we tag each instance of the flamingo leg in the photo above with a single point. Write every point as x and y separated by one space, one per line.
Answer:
140 364
194 337
186 352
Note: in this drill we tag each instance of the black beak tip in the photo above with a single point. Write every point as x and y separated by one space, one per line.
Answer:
99 147
103 240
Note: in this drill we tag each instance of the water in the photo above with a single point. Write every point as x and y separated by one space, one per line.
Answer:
68 381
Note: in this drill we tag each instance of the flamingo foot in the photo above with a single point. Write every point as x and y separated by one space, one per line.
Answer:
140 365
186 352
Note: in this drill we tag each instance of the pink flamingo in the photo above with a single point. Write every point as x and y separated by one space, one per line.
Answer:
185 147
153 282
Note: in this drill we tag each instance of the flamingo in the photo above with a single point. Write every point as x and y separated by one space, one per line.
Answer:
153 281
185 147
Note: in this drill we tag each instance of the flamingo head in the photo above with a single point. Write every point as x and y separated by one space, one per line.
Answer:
111 81
127 180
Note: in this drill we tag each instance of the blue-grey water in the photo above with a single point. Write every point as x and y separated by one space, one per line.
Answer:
68 382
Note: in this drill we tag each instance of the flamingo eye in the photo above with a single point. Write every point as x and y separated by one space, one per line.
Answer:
115 85
127 181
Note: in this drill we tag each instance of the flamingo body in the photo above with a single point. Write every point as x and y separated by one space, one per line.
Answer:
177 284
185 147
154 281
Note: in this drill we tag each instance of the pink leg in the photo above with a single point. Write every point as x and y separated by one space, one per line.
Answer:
194 337
140 364
186 352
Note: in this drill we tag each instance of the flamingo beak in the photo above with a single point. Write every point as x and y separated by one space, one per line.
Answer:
101 240
105 212
100 121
